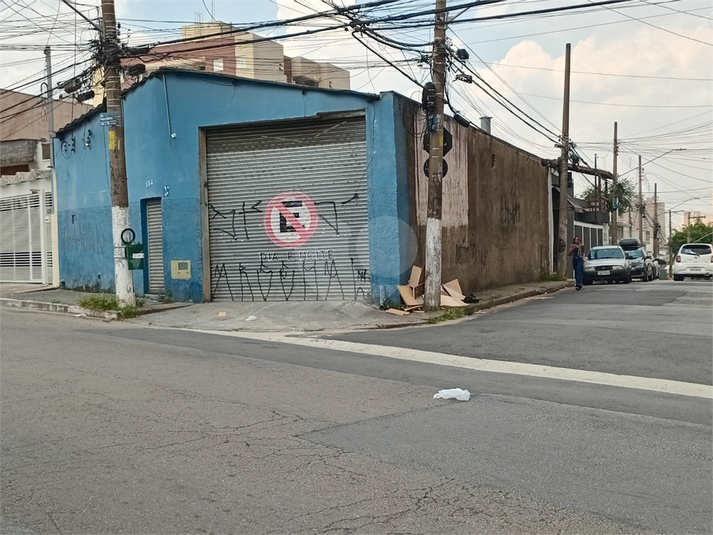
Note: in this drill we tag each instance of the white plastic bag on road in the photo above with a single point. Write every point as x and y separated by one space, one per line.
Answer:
453 393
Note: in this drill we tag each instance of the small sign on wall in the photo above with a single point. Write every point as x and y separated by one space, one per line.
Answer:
180 269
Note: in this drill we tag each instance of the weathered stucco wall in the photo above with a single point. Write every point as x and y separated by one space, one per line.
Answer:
495 209
163 120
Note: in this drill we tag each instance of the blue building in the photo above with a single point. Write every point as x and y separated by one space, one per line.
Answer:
242 189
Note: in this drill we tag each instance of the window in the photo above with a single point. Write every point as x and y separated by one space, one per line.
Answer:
648 235
45 151
241 62
696 249
636 253
609 252
218 65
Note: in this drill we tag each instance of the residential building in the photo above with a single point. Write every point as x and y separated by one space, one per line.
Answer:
243 189
24 116
227 50
28 231
690 217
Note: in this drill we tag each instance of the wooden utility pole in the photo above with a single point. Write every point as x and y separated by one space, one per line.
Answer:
432 289
641 209
117 158
656 221
564 171
615 198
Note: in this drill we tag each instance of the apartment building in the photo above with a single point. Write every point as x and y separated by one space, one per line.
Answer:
222 48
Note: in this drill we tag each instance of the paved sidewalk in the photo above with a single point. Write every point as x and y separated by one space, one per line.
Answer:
259 316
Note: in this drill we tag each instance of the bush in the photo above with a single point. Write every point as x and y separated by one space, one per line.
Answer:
448 314
109 303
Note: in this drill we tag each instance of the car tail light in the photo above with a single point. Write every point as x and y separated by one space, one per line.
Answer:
678 258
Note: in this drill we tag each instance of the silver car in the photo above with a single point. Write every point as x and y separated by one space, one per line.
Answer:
606 263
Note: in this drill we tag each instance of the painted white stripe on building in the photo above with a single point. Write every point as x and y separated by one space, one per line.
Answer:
485 365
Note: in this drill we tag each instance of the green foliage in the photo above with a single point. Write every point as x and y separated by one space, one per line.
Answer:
546 276
696 232
100 302
625 198
104 302
166 297
127 312
448 314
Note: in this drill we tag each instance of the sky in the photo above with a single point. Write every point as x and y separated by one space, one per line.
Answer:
647 65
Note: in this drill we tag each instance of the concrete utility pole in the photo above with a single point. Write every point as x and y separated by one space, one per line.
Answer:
670 247
615 199
564 171
117 157
641 208
50 102
656 221
432 289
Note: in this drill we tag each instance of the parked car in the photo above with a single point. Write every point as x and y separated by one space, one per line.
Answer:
641 264
654 267
606 263
693 260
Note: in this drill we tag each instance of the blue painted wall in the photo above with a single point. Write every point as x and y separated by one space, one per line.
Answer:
83 204
163 117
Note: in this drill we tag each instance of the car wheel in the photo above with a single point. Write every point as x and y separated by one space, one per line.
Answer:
627 280
678 277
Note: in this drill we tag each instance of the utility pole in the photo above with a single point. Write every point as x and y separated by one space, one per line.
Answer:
432 289
656 221
670 246
117 158
564 171
641 209
50 102
614 190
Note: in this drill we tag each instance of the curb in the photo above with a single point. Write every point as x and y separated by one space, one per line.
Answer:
110 316
56 307
472 309
477 307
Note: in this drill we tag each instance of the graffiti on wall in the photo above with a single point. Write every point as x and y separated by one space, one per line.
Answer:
280 256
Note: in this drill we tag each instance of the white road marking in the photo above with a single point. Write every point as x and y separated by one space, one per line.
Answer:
486 365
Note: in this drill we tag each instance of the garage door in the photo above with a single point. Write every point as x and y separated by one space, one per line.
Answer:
287 211
25 238
154 231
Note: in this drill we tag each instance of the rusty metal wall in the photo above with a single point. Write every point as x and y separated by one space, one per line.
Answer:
495 209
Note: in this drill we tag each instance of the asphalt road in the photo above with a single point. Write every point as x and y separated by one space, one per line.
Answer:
115 427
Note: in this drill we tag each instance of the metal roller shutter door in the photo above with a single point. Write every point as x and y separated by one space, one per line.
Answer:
154 228
287 211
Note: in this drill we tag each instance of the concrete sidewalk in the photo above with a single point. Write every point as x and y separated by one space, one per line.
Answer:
259 316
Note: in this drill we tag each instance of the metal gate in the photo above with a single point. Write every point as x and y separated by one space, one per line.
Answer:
287 211
25 238
154 237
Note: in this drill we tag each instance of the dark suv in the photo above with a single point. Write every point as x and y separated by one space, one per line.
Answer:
641 263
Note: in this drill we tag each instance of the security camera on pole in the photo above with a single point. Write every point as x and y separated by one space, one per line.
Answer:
117 157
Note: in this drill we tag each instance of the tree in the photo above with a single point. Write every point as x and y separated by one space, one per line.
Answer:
697 232
625 197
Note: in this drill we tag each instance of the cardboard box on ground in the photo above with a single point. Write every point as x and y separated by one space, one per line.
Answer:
412 294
